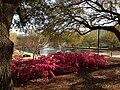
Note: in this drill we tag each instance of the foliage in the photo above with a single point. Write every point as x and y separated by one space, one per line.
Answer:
55 64
54 38
32 14
81 16
33 41
109 39
90 39
72 38
84 16
66 38
13 38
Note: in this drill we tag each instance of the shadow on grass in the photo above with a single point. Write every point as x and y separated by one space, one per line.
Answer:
96 83
113 66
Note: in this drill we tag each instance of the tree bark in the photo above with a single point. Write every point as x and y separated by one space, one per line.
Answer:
116 32
7 10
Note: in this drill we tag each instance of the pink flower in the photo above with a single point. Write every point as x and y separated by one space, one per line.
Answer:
76 73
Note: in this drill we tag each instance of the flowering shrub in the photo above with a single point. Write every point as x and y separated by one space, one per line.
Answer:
71 62
23 71
55 64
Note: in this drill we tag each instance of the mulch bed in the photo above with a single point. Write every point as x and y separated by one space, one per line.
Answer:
102 79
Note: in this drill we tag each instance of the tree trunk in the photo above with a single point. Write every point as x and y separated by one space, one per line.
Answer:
113 30
117 33
89 46
7 10
6 50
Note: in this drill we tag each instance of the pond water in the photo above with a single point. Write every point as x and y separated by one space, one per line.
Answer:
47 51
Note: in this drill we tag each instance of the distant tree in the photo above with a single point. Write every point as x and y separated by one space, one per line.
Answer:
72 38
109 39
90 39
32 42
58 38
54 38
13 38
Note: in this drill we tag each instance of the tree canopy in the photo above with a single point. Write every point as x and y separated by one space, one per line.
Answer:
84 16
90 39
109 39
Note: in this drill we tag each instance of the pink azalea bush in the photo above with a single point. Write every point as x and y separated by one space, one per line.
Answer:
55 64
25 70
72 62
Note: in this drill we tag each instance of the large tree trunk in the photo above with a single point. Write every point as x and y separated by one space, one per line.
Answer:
7 10
117 33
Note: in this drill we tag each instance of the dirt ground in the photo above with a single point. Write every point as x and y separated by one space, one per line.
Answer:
102 79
